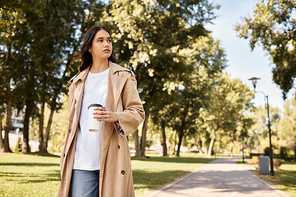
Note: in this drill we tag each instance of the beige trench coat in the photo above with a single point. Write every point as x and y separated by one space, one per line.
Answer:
122 98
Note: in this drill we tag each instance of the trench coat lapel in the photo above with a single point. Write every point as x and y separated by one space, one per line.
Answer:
115 87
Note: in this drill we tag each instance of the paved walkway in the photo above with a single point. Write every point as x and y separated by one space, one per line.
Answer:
221 178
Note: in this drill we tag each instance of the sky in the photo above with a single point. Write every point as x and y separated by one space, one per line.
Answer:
242 62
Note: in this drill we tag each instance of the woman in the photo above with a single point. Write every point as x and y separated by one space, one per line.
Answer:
98 163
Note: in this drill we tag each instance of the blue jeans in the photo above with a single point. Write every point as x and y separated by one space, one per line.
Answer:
85 183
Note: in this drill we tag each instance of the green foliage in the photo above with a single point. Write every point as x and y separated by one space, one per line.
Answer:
283 153
258 133
273 26
18 146
225 112
287 125
38 39
156 39
141 46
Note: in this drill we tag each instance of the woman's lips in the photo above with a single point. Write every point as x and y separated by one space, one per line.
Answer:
106 50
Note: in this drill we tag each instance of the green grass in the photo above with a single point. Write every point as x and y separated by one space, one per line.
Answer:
284 178
23 175
29 175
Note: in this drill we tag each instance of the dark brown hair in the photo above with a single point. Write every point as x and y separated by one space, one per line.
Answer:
84 54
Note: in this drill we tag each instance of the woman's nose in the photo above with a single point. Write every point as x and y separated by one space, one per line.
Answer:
106 43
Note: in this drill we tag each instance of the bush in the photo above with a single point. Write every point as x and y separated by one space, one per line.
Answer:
18 146
284 153
266 151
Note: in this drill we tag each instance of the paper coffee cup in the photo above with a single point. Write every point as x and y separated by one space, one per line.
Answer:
93 125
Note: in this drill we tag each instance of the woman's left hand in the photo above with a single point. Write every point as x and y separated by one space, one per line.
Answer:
104 114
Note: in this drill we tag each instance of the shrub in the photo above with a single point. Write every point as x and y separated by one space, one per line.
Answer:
18 146
284 153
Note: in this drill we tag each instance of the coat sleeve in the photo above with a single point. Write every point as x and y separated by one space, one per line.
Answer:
133 113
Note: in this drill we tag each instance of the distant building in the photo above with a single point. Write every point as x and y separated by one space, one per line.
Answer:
17 123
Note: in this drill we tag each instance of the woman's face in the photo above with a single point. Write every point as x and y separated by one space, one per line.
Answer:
101 45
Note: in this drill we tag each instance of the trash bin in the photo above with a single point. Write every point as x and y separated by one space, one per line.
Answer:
263 165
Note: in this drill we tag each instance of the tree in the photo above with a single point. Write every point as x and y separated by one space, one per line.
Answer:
259 133
205 59
10 66
225 110
273 25
142 47
287 129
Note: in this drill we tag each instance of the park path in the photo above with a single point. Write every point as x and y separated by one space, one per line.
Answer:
221 178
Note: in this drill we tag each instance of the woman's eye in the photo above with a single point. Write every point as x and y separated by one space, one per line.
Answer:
100 40
109 40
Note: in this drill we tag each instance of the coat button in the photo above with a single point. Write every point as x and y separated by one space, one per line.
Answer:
122 172
118 147
70 131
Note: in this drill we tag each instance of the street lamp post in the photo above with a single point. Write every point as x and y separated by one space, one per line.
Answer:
254 81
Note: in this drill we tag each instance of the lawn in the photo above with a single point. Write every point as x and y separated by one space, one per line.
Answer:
29 175
23 175
284 178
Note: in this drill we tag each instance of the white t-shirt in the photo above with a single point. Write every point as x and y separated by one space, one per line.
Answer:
88 144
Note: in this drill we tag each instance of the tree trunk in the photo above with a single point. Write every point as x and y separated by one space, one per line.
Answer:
232 144
179 144
137 143
1 138
182 128
175 143
29 108
218 148
45 138
164 146
207 149
143 138
7 125
211 147
295 152
41 122
200 146
231 150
